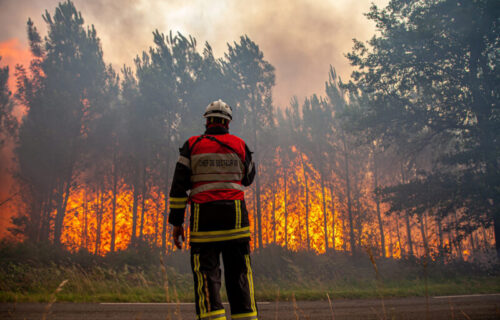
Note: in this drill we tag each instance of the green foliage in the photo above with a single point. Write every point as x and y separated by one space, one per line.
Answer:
7 121
68 88
429 83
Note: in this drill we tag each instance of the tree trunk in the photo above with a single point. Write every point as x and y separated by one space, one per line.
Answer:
84 224
99 214
113 210
299 220
259 213
408 233
164 232
45 227
286 214
407 218
485 238
165 220
61 212
472 243
133 239
485 122
496 226
255 240
423 225
307 201
377 202
265 228
349 203
324 212
391 243
450 243
143 201
401 250
344 244
440 235
274 216
333 217
457 241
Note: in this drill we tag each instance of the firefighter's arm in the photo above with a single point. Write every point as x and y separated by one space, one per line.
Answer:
249 168
181 183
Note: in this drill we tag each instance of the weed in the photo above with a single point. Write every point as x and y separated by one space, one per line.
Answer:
53 299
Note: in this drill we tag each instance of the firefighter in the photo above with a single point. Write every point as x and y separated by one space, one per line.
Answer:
215 168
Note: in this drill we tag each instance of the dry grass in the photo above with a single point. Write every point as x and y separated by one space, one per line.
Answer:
331 306
380 283
53 299
277 303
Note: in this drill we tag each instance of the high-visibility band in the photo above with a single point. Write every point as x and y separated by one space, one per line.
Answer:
178 203
215 186
245 316
172 199
217 177
237 204
217 314
199 278
177 206
196 217
185 161
250 283
222 235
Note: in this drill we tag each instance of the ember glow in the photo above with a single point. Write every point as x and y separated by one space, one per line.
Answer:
88 221
75 132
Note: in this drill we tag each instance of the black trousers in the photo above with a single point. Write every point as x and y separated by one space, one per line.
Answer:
205 264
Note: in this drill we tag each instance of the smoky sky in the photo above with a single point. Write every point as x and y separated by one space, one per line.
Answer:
301 38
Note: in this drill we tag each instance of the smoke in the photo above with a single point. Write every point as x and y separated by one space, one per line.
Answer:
300 38
14 52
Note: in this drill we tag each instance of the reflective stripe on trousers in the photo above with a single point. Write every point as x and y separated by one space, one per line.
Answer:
245 316
221 235
217 314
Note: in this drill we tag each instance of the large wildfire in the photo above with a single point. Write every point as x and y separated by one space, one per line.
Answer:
88 151
295 213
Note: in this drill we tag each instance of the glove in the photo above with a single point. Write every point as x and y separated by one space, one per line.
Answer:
176 233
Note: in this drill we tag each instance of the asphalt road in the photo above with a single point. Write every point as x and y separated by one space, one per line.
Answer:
454 307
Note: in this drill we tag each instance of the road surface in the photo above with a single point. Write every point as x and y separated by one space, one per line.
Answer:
451 307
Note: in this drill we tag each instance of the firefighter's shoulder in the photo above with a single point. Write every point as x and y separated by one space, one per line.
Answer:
192 139
237 139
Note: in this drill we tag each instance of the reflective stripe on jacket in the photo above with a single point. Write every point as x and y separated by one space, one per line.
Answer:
216 167
213 170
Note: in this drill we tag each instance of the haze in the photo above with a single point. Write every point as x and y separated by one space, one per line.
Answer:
300 38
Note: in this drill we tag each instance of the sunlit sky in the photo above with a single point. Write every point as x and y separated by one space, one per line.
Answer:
300 38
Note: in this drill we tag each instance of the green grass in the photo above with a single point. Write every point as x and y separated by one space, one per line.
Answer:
369 289
102 285
32 274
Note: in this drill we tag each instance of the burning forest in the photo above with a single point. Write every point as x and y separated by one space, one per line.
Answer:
401 160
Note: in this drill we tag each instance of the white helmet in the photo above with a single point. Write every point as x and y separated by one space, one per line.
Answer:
219 109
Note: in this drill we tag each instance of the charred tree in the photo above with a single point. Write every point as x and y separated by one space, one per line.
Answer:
377 203
113 202
306 191
332 195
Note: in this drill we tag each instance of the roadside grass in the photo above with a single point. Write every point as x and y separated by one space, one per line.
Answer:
146 287
32 275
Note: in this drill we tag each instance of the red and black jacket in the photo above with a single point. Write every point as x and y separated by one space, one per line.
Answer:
215 167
